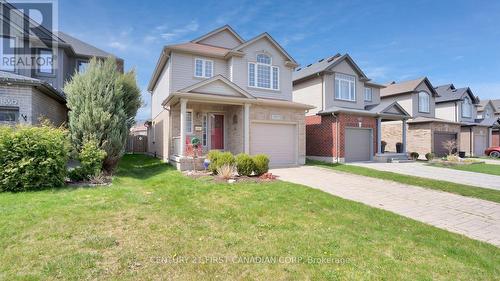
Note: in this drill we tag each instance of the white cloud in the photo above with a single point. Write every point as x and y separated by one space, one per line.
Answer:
118 45
180 31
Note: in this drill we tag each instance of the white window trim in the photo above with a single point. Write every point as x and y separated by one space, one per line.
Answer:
203 70
271 78
41 73
371 94
428 104
16 43
349 81
191 131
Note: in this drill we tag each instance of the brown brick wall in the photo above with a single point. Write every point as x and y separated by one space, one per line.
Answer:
321 133
496 138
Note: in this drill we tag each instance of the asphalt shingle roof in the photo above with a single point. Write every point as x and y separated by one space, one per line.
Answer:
82 48
316 67
400 88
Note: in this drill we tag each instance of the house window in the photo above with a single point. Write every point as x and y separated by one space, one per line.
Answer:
487 113
368 94
204 138
424 101
45 62
82 65
9 114
7 54
203 68
189 122
467 108
262 74
345 87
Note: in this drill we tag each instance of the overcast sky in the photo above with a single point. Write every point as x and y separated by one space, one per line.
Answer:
448 41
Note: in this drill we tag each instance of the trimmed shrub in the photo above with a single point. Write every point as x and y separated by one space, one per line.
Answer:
218 159
429 156
414 155
244 164
32 158
91 159
261 162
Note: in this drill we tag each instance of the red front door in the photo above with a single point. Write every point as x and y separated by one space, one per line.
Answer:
217 135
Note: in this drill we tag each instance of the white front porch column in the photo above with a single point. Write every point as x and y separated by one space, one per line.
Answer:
379 135
404 136
246 130
182 146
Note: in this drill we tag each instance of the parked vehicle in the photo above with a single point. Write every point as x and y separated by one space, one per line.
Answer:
493 151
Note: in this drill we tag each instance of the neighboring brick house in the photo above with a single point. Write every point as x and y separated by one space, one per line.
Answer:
30 93
345 126
426 133
460 105
232 94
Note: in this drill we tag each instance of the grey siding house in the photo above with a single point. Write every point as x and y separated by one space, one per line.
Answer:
30 93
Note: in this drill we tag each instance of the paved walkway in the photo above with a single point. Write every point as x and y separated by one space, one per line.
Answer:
490 161
475 218
445 174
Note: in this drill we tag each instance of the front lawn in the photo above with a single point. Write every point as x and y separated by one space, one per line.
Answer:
484 168
461 189
154 223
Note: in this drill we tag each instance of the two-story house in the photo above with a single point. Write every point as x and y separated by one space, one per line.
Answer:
230 93
489 111
345 126
426 132
460 105
29 92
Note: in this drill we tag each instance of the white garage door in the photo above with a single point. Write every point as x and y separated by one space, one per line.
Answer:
480 142
357 144
278 141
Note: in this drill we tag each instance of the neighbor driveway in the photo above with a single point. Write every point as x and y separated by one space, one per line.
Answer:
423 170
475 218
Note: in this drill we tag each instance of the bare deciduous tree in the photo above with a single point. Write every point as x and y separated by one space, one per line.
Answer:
450 145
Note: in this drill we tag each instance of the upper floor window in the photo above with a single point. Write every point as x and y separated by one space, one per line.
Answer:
345 87
424 102
203 68
9 114
467 108
7 54
82 65
368 94
45 62
262 74
487 113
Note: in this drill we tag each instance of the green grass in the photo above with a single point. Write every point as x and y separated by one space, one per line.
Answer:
152 213
491 169
461 189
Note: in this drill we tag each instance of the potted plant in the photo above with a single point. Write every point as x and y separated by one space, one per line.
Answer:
383 144
399 147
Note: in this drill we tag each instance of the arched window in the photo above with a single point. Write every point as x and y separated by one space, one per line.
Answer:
487 113
424 102
467 108
261 74
261 58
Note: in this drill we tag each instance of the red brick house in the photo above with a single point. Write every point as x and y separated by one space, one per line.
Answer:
345 126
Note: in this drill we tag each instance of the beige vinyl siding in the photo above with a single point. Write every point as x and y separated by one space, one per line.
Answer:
447 111
218 87
183 70
161 90
310 92
406 101
240 70
223 39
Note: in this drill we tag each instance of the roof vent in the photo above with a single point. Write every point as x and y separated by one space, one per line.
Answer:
309 65
298 69
321 60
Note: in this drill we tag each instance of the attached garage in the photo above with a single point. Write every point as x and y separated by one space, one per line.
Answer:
277 140
439 139
358 144
480 144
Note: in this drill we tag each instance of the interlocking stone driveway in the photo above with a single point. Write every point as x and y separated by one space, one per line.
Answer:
475 218
425 171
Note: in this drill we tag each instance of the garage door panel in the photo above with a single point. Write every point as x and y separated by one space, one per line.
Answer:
480 145
278 141
439 139
357 144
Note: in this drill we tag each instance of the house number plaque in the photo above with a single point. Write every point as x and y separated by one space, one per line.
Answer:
8 101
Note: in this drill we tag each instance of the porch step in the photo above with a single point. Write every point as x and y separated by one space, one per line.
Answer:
398 160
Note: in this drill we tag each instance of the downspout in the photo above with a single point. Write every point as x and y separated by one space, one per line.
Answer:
470 141
337 138
456 112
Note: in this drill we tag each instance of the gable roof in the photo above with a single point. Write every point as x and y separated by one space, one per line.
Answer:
386 109
495 104
326 64
448 93
405 87
83 49
218 30
266 35
220 78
